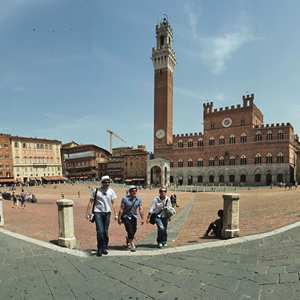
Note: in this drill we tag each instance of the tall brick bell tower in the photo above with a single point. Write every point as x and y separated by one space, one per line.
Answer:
164 61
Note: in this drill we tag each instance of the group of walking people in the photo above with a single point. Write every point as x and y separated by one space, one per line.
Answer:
99 211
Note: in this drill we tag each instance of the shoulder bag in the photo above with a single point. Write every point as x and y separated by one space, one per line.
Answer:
92 218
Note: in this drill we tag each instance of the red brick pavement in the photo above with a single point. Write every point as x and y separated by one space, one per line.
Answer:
41 220
260 211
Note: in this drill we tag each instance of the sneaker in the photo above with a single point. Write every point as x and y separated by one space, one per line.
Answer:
165 245
133 248
160 245
99 252
104 251
127 243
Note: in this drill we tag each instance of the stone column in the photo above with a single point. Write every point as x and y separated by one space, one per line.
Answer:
1 211
66 224
231 216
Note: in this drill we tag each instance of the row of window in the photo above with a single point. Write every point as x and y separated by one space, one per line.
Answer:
5 146
36 152
243 178
6 174
37 160
6 156
243 139
36 169
232 161
7 167
35 145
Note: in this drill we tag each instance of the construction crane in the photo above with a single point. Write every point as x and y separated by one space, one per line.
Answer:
111 139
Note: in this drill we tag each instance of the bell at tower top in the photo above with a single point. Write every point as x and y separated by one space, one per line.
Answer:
164 56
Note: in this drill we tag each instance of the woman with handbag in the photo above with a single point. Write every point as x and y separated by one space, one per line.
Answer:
128 215
156 212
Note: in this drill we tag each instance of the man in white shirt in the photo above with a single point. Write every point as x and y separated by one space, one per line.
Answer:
104 198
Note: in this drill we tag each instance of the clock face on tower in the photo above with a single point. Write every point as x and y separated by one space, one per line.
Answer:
226 122
160 133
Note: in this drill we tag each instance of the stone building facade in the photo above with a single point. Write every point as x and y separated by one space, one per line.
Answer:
6 159
235 148
81 161
35 158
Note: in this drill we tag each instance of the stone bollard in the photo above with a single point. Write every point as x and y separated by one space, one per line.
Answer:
249 188
225 189
231 216
66 224
1 211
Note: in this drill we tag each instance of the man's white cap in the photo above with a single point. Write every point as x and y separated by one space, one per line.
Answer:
132 187
106 177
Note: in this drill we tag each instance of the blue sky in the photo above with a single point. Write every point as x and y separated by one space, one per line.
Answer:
72 69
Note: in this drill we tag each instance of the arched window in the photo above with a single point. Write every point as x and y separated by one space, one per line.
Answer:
258 137
280 135
180 163
221 140
190 143
211 162
211 178
221 161
257 178
243 138
190 162
242 121
243 160
200 179
212 126
279 178
231 161
232 139
221 178
180 144
279 158
200 162
200 142
171 163
231 178
269 158
211 141
243 178
257 158
269 136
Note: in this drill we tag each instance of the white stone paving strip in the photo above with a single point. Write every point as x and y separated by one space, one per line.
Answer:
80 253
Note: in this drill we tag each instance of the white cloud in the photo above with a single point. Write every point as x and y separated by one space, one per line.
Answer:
218 50
193 17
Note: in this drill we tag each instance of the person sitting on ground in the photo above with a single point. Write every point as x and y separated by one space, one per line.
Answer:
216 226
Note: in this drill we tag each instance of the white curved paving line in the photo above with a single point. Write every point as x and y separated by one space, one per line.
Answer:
80 253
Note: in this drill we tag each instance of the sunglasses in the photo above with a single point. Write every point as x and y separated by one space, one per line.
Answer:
134 191
163 191
106 182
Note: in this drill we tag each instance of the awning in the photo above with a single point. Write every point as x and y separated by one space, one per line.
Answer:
32 178
128 180
118 178
8 180
19 179
136 179
63 178
37 178
52 178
